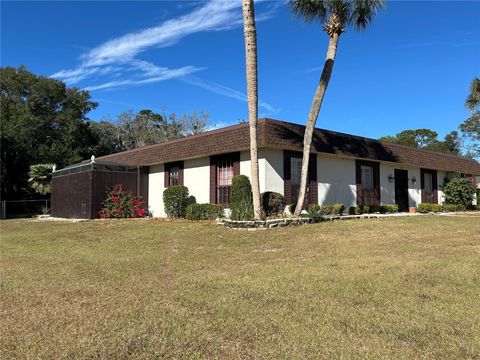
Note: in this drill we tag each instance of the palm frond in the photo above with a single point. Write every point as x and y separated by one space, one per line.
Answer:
309 10
364 11
355 13
473 99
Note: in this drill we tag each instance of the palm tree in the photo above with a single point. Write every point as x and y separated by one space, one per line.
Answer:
250 35
40 178
336 16
471 126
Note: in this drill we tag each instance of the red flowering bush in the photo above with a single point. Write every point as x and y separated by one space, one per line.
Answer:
122 204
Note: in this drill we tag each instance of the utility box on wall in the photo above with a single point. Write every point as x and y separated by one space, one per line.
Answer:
79 190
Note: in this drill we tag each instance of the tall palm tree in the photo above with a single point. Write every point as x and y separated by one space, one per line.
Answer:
336 16
250 34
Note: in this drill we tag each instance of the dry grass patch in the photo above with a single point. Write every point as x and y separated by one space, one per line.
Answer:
380 288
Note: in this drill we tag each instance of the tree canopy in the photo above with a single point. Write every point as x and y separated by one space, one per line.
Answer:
427 139
43 121
471 126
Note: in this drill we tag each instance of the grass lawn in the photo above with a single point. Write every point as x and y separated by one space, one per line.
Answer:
398 288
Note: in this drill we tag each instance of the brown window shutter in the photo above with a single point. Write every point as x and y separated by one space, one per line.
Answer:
358 181
312 172
287 183
213 181
376 172
422 185
435 186
180 173
166 172
236 163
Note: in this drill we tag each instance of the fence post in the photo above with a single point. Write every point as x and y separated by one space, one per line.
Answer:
3 215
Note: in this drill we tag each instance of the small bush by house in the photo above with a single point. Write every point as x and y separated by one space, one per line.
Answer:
121 204
425 208
373 209
332 209
204 211
241 203
273 203
388 208
459 191
175 200
314 210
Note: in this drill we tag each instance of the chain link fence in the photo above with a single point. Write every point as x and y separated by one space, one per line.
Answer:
10 209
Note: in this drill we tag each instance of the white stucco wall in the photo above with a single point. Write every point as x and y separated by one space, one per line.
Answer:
336 180
441 175
196 177
156 180
274 170
387 188
245 166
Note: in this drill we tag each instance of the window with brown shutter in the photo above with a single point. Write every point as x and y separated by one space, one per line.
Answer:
368 182
222 170
292 170
174 174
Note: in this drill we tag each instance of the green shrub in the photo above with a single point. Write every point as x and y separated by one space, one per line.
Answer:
241 205
353 210
273 203
374 209
427 208
314 210
122 204
459 190
364 209
291 208
175 200
204 211
388 208
332 209
453 207
478 206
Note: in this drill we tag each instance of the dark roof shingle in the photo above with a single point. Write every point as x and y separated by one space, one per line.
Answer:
289 136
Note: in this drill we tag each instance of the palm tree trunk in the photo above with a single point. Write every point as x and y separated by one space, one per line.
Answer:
312 117
250 35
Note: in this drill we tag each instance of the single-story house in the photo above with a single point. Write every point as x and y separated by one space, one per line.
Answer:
346 169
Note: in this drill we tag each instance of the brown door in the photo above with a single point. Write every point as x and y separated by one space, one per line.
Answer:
401 189
429 186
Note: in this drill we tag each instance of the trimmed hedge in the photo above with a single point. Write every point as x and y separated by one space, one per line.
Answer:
372 209
332 209
273 203
204 211
425 208
175 200
389 208
241 201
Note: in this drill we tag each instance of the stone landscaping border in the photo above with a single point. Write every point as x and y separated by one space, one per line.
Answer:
284 222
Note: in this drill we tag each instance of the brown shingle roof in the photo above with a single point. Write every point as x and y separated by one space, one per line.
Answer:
284 135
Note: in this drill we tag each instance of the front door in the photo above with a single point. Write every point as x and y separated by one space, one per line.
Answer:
401 189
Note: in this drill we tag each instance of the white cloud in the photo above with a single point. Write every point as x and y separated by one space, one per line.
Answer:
115 63
226 91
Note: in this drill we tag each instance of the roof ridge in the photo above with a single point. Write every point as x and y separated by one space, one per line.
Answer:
429 151
376 140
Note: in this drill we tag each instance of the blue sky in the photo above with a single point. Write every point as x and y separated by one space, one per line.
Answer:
410 69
